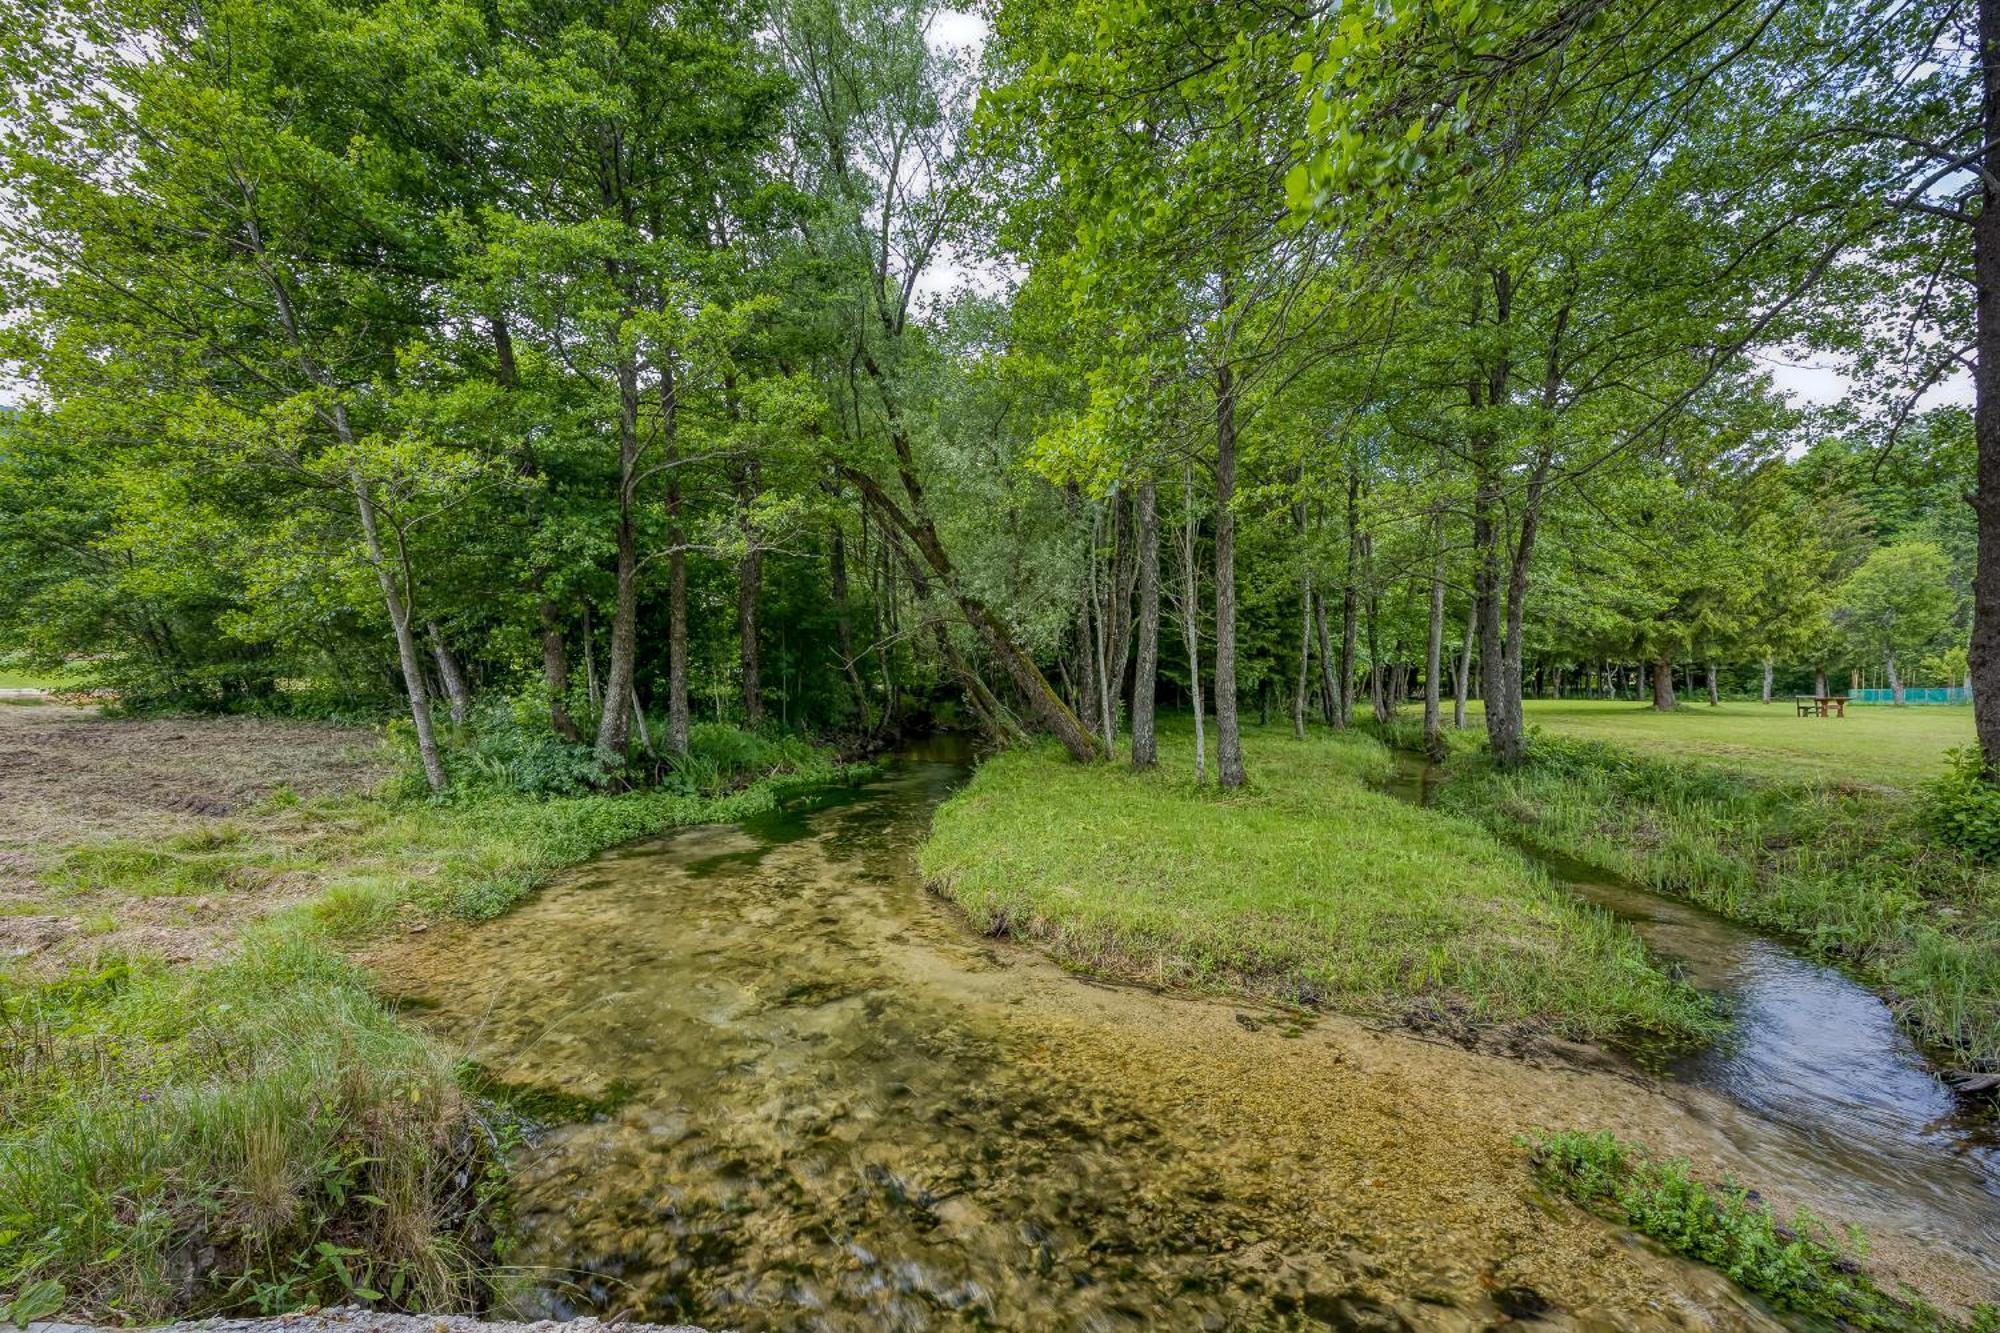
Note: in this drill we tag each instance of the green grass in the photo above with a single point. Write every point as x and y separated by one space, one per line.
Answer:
1310 886
255 1135
1800 1265
1847 871
260 1133
1873 745
15 678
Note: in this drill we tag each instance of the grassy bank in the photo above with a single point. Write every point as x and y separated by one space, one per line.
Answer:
257 1131
1846 870
1310 886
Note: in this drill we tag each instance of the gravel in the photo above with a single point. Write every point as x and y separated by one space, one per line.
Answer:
350 1320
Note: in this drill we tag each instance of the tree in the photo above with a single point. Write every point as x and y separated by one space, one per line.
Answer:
1897 606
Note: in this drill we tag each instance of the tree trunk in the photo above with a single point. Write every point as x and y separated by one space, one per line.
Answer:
1191 628
1462 687
1895 682
1350 598
1028 679
1714 696
1819 681
1985 649
1663 685
1434 655
399 620
555 671
1769 670
843 624
1228 731
677 576
1329 685
749 600
1305 655
1145 677
455 687
614 728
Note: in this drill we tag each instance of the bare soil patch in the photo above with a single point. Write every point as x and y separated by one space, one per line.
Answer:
72 779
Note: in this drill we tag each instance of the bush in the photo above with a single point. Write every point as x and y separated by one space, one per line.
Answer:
1961 808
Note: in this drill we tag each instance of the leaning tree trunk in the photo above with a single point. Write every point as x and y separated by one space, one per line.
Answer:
1663 685
1228 730
1145 676
450 673
399 621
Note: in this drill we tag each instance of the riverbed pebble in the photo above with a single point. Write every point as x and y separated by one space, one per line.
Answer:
348 1319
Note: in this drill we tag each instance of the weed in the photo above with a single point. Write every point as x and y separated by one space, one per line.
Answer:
1800 1266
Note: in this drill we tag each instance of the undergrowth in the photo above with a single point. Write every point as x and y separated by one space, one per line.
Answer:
255 1135
1800 1265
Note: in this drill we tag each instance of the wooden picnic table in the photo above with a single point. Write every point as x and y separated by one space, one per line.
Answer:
1821 705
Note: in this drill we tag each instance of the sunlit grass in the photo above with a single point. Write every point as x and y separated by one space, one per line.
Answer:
1874 745
1311 886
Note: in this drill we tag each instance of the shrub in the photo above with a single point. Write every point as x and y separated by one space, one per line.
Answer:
1961 808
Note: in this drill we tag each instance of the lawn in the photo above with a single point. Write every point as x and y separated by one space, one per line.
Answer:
1873 745
1310 885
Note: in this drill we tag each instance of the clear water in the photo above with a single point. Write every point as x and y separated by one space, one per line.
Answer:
1818 1085
824 1104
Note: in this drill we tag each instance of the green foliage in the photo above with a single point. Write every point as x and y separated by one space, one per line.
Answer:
1800 1265
249 1136
1961 807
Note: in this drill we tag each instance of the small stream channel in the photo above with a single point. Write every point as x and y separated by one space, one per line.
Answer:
814 1100
1818 1084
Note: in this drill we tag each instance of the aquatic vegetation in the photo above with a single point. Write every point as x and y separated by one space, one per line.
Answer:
1310 885
1800 1264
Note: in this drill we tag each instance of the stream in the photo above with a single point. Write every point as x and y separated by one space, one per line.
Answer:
812 1099
1817 1084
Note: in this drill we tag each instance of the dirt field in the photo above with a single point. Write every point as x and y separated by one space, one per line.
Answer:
82 795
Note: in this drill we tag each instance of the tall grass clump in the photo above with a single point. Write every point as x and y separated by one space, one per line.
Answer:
1854 874
254 1135
1799 1265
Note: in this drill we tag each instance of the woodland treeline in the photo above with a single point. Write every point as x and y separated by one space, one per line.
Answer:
616 365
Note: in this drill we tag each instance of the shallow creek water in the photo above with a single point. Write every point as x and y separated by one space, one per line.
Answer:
824 1103
1818 1084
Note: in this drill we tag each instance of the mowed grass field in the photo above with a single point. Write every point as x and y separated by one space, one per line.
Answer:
1874 745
